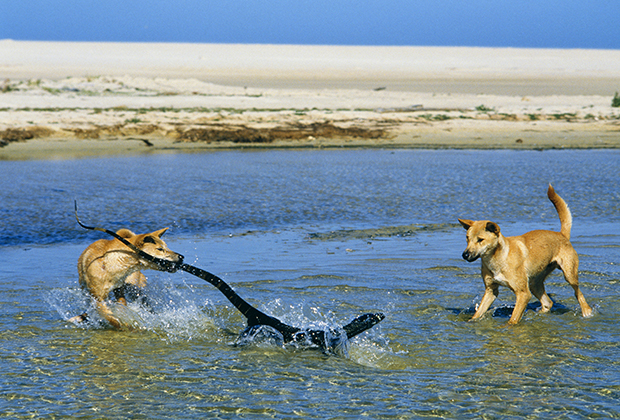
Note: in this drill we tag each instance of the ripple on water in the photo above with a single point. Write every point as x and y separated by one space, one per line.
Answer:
315 238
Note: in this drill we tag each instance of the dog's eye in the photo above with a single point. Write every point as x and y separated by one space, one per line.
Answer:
160 249
480 240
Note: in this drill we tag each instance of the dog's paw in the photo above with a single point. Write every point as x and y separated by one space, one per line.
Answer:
78 319
587 312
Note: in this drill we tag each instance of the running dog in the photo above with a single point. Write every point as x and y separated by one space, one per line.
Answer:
522 263
326 340
110 266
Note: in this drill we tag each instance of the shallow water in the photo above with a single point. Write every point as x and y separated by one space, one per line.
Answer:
314 238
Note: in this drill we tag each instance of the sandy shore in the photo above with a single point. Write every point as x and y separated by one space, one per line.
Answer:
77 99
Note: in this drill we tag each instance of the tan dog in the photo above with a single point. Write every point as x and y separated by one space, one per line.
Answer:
522 263
107 265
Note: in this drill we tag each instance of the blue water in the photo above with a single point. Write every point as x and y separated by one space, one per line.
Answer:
314 238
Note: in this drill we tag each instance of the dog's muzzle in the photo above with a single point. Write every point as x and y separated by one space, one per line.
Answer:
467 256
171 266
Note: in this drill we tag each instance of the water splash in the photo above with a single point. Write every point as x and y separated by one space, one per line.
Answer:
169 312
174 314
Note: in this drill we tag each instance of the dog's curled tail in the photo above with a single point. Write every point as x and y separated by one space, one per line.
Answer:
566 219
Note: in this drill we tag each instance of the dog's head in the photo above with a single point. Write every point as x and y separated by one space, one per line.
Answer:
482 237
152 244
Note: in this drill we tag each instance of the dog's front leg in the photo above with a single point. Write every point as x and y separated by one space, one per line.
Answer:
105 312
490 293
523 297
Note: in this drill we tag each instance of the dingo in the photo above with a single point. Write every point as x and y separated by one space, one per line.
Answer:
328 341
522 263
108 265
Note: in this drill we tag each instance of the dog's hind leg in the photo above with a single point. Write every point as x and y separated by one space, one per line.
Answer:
79 318
570 268
538 289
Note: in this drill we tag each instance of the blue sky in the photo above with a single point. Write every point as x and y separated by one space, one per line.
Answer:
499 23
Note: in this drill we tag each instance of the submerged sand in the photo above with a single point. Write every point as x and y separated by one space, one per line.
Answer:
76 99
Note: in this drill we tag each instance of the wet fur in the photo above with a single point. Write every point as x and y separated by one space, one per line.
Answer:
109 265
522 263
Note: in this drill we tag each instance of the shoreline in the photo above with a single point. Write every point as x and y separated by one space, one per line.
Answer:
63 100
508 138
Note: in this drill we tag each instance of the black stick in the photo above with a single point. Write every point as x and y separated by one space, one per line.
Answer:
253 315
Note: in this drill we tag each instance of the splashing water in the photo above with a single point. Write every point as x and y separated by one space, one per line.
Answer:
173 314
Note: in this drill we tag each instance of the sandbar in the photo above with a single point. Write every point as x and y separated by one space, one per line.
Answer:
65 100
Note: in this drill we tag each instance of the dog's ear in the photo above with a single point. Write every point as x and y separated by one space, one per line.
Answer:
149 238
492 227
125 233
466 223
159 233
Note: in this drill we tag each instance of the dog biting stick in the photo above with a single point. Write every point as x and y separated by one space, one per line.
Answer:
254 316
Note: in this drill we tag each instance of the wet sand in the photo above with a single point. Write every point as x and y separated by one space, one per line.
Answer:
79 99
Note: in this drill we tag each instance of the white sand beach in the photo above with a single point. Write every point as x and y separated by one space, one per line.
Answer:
73 99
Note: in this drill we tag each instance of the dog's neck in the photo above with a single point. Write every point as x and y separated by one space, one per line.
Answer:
496 256
128 263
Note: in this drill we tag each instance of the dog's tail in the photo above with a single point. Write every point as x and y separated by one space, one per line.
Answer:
566 219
